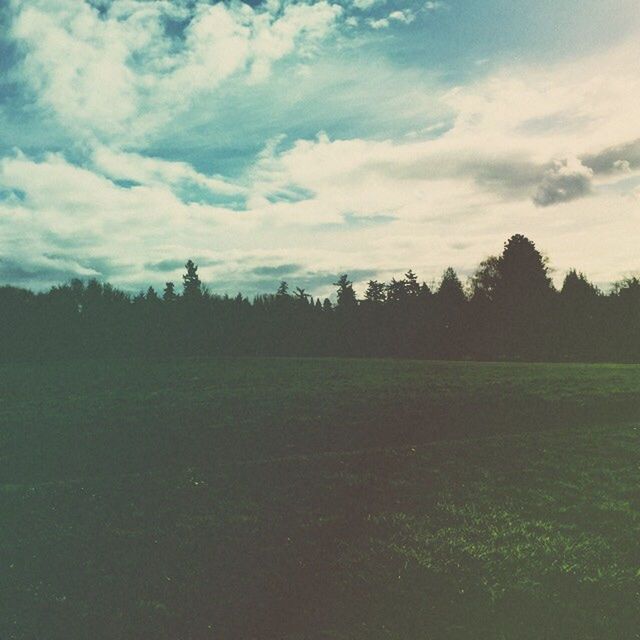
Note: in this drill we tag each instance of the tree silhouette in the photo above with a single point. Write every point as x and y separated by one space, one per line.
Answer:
512 311
523 295
301 296
396 291
522 272
191 282
283 289
375 292
169 293
485 281
346 294
451 302
450 292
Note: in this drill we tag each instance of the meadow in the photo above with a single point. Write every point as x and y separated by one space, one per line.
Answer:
294 499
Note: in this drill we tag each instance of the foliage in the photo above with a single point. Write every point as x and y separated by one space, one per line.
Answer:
509 311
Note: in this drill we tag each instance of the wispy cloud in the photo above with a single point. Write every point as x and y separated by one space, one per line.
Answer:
114 70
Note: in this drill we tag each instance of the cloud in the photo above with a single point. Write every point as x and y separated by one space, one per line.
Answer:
491 146
617 159
165 265
114 72
366 4
406 16
380 23
566 181
147 170
29 271
179 149
277 270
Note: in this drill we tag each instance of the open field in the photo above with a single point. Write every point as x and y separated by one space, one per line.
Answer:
300 499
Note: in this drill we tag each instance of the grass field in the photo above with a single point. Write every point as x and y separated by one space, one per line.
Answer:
302 499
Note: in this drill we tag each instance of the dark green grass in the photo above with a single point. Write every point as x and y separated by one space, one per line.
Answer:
294 499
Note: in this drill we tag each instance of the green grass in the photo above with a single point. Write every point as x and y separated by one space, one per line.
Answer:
299 499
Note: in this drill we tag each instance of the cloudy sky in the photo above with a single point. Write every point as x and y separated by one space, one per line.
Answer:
294 140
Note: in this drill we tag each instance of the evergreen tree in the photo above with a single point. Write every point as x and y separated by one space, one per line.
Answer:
524 298
512 312
301 296
412 288
375 292
346 294
523 274
169 293
485 281
191 283
283 290
425 292
396 291
451 293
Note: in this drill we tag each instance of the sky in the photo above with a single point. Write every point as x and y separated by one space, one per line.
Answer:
298 140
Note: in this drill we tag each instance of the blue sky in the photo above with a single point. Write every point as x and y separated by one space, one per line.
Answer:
298 139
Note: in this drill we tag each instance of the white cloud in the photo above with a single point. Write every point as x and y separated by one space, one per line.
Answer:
406 16
524 140
363 5
154 171
380 23
82 208
118 75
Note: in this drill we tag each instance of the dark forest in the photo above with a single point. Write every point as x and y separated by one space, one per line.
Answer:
508 310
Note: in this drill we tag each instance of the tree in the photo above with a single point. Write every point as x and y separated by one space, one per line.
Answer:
375 292
169 293
451 294
450 316
578 317
346 294
522 271
412 288
577 290
485 281
628 291
191 282
509 310
283 289
524 297
301 296
425 292
396 291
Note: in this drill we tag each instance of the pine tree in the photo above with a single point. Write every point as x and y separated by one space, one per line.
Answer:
283 289
375 292
346 294
191 282
412 287
169 293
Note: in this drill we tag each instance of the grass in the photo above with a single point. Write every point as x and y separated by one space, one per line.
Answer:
303 499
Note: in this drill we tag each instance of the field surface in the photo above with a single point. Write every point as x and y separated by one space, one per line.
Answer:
297 499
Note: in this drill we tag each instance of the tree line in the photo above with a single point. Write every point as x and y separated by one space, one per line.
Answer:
508 310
